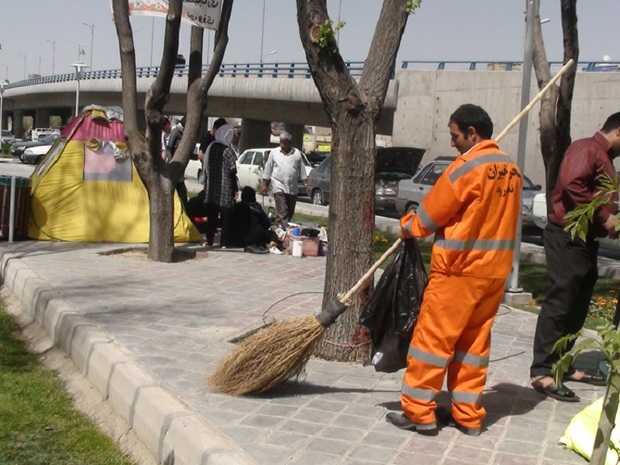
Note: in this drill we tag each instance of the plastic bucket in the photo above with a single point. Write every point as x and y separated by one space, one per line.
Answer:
298 248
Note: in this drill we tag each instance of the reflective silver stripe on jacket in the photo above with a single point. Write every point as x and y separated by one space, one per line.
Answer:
470 359
476 162
476 244
426 357
417 393
466 397
426 220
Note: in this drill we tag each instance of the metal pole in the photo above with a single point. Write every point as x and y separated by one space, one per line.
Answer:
525 97
2 84
92 41
152 33
53 42
262 33
24 55
77 94
12 209
338 33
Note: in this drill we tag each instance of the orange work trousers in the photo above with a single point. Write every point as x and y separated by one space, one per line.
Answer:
453 334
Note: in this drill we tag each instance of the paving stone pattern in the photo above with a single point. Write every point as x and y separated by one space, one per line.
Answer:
177 318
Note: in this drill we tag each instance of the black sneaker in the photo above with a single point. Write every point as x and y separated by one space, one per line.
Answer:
445 418
402 422
255 249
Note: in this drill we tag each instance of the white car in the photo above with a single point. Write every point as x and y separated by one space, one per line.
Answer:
34 155
251 163
193 170
539 212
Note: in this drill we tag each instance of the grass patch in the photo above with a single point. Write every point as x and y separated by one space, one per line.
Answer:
38 423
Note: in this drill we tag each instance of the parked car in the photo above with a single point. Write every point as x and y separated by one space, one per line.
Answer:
393 164
411 192
38 133
34 155
251 163
8 137
193 170
539 215
18 148
316 157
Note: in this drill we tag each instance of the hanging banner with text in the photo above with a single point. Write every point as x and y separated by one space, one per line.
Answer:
201 13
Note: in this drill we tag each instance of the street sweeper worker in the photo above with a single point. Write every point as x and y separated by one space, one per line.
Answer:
473 211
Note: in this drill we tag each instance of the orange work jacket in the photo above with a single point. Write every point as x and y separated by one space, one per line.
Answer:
473 209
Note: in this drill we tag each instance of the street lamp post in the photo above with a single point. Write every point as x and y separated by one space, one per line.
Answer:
79 66
2 84
513 281
92 42
53 42
262 34
24 55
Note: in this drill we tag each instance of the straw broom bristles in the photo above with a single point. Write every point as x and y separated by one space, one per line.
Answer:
268 357
280 351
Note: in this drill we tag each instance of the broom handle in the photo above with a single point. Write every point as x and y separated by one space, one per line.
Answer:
344 299
370 272
535 100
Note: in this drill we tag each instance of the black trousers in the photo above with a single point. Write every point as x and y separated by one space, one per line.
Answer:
572 271
217 216
285 208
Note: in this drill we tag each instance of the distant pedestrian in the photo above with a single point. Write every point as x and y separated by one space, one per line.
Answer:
283 171
221 184
209 137
175 138
165 138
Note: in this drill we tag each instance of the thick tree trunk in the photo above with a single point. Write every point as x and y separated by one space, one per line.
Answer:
555 108
160 178
353 109
351 229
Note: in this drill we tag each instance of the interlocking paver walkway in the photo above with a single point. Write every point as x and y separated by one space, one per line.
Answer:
174 321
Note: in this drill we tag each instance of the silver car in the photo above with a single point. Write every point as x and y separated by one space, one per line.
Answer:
412 191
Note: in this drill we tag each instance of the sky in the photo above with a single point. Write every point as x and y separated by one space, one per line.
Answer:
38 36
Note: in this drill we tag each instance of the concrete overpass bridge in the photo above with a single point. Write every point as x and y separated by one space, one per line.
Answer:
420 98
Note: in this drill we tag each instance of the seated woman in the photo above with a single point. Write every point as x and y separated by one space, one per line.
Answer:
250 226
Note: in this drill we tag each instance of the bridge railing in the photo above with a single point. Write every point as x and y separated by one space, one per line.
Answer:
301 70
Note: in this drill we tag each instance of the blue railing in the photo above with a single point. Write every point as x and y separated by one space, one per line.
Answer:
301 70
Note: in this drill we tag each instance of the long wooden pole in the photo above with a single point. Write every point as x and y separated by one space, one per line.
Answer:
345 298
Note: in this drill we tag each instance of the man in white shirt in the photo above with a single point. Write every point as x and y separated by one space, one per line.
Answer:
283 170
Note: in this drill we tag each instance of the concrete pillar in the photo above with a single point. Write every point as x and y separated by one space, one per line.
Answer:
254 134
18 122
65 115
297 131
42 118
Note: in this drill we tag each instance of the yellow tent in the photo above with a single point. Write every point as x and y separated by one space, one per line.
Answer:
87 188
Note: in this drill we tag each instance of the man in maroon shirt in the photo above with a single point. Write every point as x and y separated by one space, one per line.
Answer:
572 263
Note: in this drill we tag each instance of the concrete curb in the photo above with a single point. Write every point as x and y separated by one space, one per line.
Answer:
171 430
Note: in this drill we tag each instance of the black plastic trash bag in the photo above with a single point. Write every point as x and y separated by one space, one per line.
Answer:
393 309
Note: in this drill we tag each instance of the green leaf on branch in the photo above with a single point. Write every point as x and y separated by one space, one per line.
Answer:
412 5
326 36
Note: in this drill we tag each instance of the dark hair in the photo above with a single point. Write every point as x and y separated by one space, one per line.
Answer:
165 121
248 194
612 123
218 123
470 115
